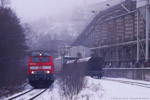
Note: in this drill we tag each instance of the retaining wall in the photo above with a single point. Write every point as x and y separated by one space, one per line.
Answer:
130 73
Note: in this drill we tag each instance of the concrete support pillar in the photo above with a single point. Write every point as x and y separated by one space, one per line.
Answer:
147 32
138 44
117 57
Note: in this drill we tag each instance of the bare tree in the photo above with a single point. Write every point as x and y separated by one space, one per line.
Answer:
72 78
4 3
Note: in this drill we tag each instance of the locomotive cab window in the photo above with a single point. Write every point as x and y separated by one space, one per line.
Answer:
35 59
45 59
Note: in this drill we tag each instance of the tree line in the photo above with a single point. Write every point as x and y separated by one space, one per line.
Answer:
13 48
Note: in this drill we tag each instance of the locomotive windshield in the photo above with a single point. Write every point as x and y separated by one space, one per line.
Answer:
35 59
45 59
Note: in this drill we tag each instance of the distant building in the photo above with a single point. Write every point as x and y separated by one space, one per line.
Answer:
80 51
75 51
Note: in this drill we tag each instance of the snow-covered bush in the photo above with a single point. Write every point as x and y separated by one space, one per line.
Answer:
72 78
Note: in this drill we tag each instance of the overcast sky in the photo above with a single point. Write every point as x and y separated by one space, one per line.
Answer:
35 9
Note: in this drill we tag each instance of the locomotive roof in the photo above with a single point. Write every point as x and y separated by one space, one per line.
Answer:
40 54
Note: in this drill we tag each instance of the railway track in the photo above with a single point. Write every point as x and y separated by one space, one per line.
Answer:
146 85
14 97
28 95
37 94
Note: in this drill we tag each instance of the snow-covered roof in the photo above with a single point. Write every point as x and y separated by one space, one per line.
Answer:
84 59
103 5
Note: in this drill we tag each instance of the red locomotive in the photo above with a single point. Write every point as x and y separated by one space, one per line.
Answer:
41 70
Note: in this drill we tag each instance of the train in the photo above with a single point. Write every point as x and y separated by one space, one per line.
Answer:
93 66
40 70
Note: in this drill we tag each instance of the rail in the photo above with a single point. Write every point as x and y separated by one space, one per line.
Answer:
146 85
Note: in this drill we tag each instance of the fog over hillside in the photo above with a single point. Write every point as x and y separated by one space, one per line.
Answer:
52 17
34 9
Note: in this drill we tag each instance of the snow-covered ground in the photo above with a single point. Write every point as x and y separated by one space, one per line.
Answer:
97 89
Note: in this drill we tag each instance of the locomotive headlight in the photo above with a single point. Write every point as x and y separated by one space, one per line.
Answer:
40 54
48 72
32 72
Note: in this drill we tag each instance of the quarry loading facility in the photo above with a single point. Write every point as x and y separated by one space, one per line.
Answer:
120 35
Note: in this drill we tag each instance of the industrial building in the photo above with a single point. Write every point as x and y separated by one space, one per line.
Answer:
120 35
